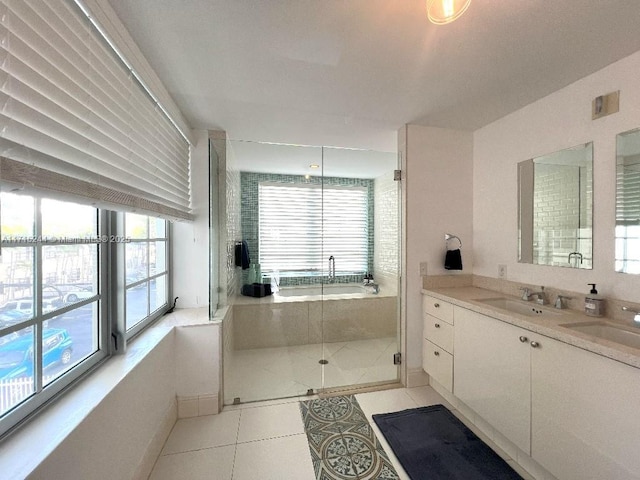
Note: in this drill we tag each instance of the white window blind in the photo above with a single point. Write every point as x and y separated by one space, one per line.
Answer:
74 119
627 231
300 226
628 194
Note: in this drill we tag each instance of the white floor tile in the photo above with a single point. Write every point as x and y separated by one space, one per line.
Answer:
197 465
380 373
252 383
260 423
385 401
334 376
329 349
312 350
424 396
267 440
348 358
258 374
284 458
203 432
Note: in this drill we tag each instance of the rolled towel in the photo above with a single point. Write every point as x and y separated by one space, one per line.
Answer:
453 260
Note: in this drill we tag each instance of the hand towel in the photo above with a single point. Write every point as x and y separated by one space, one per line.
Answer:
453 260
241 255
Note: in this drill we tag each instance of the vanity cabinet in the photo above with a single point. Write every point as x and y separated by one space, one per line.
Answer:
584 420
571 410
492 373
437 342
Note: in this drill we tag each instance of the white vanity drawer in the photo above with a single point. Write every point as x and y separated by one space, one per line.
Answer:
437 308
438 364
439 332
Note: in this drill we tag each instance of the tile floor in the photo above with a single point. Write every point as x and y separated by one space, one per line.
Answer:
267 440
264 373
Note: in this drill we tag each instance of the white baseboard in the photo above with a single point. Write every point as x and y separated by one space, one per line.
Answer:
417 377
157 443
197 406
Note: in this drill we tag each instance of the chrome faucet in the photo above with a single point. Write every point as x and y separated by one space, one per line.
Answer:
541 296
332 269
559 303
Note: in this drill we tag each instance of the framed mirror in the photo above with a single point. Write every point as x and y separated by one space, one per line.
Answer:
555 208
628 202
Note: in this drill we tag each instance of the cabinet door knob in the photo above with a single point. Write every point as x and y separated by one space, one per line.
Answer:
535 344
436 353
523 338
437 325
437 305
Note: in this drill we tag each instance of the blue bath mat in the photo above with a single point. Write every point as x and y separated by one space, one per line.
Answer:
431 443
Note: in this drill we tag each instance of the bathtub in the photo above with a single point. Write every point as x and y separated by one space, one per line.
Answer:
327 289
313 314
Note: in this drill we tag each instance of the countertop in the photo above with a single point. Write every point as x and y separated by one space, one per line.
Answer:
547 325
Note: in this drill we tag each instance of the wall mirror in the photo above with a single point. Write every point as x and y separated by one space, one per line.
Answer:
628 202
555 208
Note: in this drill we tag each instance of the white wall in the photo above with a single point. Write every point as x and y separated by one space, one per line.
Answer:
561 120
191 239
197 362
439 195
117 435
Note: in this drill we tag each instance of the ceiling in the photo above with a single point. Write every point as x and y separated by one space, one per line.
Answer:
249 156
351 72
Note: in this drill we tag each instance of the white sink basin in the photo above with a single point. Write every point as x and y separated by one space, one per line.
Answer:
609 331
516 306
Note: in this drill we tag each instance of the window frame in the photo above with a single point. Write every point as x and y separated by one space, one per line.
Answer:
138 327
109 298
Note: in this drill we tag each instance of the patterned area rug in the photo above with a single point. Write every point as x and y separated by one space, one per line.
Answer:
343 445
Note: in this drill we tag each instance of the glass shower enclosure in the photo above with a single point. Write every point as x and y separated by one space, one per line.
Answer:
313 270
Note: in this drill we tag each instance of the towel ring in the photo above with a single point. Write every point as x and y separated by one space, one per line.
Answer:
448 236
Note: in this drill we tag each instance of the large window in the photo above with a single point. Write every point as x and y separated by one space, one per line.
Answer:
301 226
57 288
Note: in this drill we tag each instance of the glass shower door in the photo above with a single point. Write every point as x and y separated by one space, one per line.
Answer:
273 343
361 238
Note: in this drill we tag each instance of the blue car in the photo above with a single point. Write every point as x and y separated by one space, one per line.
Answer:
16 352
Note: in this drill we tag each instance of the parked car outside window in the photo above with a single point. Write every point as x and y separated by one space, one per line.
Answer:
77 295
16 353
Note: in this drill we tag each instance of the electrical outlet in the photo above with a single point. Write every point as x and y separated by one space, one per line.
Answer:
502 271
423 269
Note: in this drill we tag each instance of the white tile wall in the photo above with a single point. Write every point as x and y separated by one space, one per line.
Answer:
386 232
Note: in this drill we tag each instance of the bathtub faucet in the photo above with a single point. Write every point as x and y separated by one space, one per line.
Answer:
332 269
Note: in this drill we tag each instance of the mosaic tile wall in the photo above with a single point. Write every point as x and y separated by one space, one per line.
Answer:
249 217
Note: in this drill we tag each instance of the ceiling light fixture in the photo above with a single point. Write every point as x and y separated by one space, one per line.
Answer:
442 12
313 165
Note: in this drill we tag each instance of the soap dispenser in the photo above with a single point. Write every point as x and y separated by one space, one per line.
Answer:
593 303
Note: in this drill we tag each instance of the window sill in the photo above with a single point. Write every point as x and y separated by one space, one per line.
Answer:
49 428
